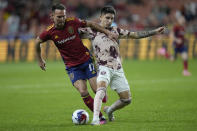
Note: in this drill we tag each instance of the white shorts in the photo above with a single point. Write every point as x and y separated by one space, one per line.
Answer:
115 78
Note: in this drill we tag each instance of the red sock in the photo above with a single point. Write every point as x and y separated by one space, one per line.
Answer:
167 55
185 63
89 101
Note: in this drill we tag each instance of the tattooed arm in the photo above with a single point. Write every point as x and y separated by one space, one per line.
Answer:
143 34
140 34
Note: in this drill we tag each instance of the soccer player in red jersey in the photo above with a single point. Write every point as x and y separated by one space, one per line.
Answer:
79 65
177 35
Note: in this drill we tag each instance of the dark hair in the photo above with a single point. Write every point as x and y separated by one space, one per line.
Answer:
108 9
58 6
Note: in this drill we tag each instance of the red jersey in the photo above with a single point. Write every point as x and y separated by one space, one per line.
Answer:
179 33
68 42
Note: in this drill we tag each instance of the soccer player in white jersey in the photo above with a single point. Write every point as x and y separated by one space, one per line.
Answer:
108 59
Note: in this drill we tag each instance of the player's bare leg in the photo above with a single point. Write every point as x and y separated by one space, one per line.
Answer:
185 64
125 99
81 86
93 85
101 91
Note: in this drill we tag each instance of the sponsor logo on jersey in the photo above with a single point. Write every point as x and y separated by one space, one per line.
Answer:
67 39
70 30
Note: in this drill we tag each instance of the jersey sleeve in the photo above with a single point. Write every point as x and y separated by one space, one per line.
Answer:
87 33
80 23
123 33
44 36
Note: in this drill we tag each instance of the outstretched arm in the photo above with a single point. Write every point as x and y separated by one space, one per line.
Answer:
41 62
143 34
101 29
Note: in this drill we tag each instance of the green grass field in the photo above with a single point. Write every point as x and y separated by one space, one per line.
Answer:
163 99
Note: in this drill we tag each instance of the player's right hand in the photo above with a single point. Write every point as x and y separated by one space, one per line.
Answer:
42 64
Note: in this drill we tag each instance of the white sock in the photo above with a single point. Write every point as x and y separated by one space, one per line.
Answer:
98 102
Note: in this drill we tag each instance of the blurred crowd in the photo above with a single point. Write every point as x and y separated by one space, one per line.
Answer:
27 18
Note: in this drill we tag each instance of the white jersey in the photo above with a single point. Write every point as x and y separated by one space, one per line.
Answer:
106 50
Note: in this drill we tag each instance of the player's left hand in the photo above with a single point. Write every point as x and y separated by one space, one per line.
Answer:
160 30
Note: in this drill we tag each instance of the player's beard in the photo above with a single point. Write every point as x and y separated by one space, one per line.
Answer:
60 24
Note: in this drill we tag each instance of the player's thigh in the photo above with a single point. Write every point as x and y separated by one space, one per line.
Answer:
81 86
119 82
104 77
93 83
91 73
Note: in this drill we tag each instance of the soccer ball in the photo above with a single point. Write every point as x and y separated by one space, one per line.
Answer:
80 117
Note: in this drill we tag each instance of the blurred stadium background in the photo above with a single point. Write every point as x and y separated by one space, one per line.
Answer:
21 21
30 99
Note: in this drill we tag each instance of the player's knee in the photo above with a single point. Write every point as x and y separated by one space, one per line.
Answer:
103 89
83 92
184 56
102 84
126 101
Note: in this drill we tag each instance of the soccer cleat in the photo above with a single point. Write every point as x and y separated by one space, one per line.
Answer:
109 114
186 73
105 98
95 122
102 120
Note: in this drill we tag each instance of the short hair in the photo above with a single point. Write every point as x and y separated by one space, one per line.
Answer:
108 9
58 6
